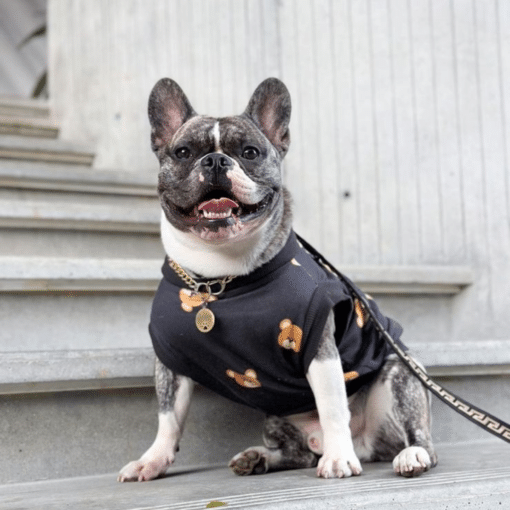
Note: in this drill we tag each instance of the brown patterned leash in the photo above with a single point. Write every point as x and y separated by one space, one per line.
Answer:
481 418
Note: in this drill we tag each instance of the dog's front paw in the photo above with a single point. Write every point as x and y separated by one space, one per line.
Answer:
339 465
250 462
412 461
143 470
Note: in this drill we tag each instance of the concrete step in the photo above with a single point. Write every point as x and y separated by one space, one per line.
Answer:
68 211
57 224
469 475
31 108
85 369
42 176
19 274
106 215
97 244
76 303
62 292
73 370
46 150
57 274
102 427
26 126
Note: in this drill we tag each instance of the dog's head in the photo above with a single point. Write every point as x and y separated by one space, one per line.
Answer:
220 178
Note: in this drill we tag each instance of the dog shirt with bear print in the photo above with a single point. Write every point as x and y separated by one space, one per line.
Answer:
267 331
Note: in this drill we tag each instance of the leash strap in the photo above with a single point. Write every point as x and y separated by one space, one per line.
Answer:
481 418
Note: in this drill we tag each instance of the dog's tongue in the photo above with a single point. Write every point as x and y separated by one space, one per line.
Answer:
218 205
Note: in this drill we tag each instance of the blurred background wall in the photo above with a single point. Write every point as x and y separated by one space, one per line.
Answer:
400 127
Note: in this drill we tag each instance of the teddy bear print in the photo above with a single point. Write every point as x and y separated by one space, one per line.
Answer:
361 313
349 376
247 380
290 336
191 299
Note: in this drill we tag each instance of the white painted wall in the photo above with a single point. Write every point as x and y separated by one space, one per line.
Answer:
400 122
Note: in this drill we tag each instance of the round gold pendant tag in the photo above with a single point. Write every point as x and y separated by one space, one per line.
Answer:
204 320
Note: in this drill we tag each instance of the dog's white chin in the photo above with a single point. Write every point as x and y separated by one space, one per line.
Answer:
234 233
227 251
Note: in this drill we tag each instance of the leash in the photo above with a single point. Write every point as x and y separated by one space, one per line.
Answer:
481 418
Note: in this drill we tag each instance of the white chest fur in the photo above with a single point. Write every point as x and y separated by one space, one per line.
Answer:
210 259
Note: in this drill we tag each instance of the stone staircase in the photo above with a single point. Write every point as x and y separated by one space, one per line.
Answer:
80 259
472 475
68 233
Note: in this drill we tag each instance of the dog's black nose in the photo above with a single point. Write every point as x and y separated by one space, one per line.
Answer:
216 166
216 161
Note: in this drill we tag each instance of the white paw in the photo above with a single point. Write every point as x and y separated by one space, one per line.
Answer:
339 466
144 469
412 461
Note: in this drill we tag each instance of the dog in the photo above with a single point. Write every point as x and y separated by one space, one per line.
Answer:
231 294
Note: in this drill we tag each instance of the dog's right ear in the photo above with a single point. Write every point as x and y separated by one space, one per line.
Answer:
169 109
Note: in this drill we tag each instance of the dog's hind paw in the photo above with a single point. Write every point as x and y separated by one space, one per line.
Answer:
412 461
250 462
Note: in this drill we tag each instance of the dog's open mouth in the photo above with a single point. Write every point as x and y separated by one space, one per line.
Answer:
218 208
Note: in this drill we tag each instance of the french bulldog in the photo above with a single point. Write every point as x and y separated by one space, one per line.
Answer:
227 222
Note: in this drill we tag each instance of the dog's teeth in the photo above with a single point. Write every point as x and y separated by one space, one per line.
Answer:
217 215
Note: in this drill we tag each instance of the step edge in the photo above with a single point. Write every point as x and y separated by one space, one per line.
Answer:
45 145
14 127
140 216
25 107
177 469
424 273
34 371
66 268
469 354
80 186
53 177
58 272
45 122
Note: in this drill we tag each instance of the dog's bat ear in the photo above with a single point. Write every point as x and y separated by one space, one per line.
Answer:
169 109
269 108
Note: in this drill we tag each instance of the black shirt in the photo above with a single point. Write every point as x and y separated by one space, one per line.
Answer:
267 331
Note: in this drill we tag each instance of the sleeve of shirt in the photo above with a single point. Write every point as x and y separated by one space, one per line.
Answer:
322 303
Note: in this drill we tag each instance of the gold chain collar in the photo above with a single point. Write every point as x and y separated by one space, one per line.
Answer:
197 286
205 318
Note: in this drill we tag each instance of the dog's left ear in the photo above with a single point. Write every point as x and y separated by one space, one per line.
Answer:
269 108
169 109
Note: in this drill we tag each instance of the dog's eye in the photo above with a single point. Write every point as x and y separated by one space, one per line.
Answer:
182 153
251 153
